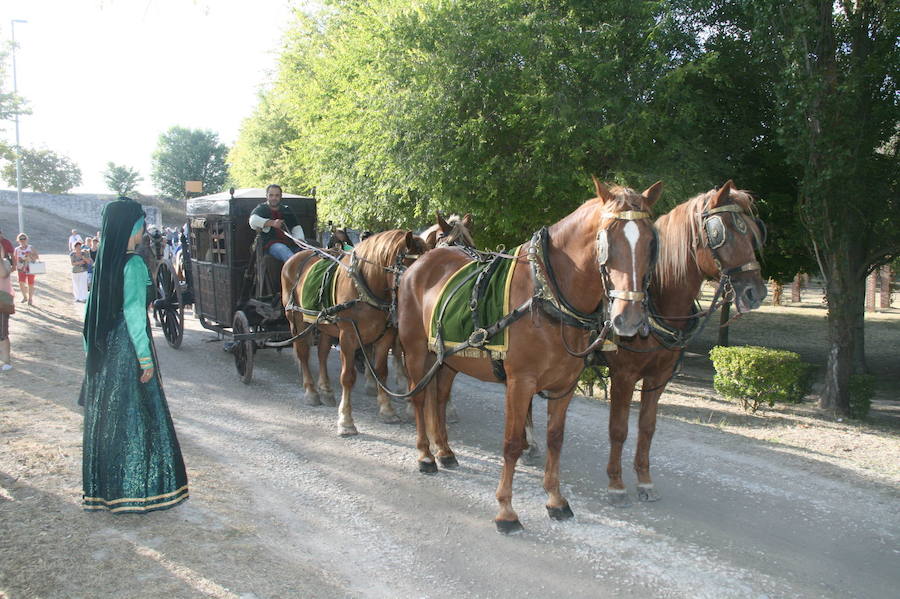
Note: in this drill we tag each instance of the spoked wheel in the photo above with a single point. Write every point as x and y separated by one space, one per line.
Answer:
168 307
243 350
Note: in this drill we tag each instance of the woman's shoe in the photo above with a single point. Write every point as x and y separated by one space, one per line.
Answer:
5 367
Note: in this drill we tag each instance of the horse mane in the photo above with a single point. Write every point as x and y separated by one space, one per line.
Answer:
623 199
680 235
380 250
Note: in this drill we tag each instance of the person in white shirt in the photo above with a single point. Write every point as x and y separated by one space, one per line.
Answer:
73 239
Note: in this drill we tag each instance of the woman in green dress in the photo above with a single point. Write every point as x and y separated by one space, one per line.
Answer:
132 461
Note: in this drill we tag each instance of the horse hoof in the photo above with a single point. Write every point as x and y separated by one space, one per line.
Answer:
508 527
618 497
389 418
327 396
428 467
312 399
560 513
647 493
347 431
448 461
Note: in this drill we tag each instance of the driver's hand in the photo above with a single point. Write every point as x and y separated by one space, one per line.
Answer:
147 375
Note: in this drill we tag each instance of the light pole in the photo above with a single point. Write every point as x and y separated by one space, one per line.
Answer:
18 147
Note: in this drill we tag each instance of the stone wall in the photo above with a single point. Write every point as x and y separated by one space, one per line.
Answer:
81 207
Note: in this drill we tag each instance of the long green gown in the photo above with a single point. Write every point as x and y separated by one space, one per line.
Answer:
132 460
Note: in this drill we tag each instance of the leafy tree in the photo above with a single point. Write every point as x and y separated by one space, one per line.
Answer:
44 171
122 180
188 155
10 104
837 109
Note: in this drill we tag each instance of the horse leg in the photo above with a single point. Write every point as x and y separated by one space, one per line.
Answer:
417 364
385 409
324 385
399 368
518 396
557 506
301 353
443 385
371 385
346 427
646 427
450 409
532 450
620 401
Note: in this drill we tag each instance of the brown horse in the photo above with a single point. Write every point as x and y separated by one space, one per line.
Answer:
363 284
601 251
455 230
711 236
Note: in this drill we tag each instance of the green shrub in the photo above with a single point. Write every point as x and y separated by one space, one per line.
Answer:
862 390
756 375
593 376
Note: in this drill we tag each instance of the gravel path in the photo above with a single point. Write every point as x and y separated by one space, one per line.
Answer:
282 507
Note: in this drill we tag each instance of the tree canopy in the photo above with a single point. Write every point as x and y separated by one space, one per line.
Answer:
188 155
504 108
44 171
121 179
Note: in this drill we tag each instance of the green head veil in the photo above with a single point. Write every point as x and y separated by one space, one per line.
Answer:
121 219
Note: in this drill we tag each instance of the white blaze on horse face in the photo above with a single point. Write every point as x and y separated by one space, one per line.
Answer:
632 234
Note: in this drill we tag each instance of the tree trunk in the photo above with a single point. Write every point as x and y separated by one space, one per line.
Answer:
723 318
846 294
795 289
859 340
886 287
777 292
871 282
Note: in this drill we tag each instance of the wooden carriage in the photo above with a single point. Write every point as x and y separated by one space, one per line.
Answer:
235 286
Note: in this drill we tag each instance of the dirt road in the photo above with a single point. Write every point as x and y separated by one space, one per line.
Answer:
282 507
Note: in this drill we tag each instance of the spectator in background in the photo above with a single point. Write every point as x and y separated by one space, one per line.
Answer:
80 260
86 248
7 245
7 303
73 238
23 256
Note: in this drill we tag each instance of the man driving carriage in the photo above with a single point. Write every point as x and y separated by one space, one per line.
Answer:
270 219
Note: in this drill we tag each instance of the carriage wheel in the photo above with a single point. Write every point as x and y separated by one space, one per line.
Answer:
243 350
168 307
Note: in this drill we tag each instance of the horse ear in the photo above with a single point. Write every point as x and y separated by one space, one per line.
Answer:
410 240
441 222
467 221
602 192
652 193
722 194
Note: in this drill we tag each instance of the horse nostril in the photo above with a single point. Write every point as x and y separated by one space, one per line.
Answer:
618 321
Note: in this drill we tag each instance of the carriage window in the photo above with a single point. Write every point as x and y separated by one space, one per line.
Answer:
217 241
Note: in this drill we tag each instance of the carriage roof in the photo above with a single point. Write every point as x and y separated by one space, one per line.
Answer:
238 200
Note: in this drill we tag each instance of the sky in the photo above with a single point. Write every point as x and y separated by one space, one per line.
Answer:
104 78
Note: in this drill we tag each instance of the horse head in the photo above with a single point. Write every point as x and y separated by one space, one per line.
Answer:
454 230
627 248
732 235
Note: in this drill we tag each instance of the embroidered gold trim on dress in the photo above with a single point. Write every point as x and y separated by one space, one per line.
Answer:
137 499
138 508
